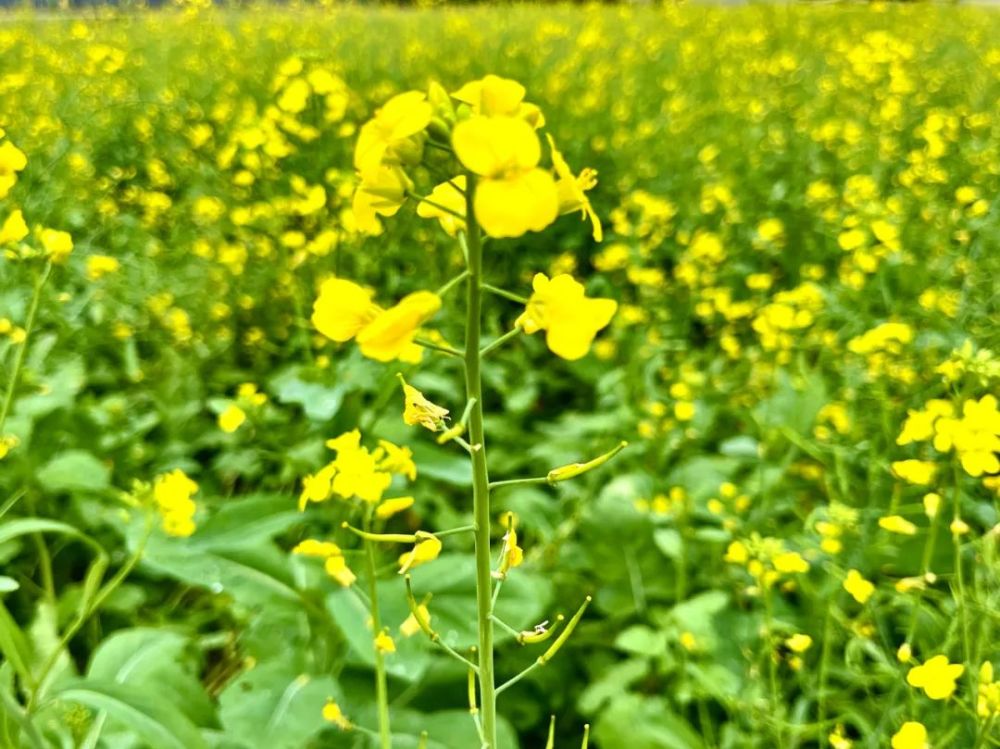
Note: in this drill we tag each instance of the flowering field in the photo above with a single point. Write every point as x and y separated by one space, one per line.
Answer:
500 377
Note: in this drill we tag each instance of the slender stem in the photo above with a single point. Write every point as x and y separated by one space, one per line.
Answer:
480 475
453 531
505 294
504 625
381 683
500 341
22 350
514 679
515 482
433 204
453 283
102 595
438 347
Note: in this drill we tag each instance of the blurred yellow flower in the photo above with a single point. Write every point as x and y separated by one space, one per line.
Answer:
911 735
172 493
390 335
389 507
57 244
897 524
859 588
99 266
12 161
343 309
571 320
384 642
14 229
919 472
231 418
937 677
333 714
385 137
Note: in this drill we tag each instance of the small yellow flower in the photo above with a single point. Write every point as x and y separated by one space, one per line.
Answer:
573 190
915 471
343 309
932 503
389 507
99 266
897 524
336 567
426 549
14 229
790 562
418 410
513 555
12 161
859 588
387 137
571 320
799 643
937 677
384 642
172 493
333 714
57 244
904 653
231 418
411 626
911 735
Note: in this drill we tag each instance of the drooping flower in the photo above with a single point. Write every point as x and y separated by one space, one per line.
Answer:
418 410
573 190
571 320
426 549
333 559
513 555
937 677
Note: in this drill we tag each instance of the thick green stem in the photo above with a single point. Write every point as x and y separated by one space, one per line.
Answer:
480 476
381 683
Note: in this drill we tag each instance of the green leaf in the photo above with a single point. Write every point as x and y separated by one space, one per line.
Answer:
246 522
14 645
8 584
272 707
642 640
669 541
74 470
442 464
319 402
142 656
158 722
636 722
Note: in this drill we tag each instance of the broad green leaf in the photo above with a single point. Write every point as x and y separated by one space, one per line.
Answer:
319 401
159 723
144 656
74 470
246 522
272 707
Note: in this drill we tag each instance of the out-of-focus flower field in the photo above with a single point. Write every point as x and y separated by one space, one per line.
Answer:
798 547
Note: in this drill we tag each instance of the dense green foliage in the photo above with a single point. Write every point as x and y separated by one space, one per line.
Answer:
803 235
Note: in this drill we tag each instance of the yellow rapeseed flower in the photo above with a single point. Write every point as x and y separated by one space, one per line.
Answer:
859 588
386 137
333 714
446 200
920 472
231 418
911 735
343 309
390 335
14 229
426 549
513 195
418 410
571 320
897 524
937 677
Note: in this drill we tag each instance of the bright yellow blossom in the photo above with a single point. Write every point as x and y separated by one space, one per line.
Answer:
99 266
859 588
390 335
897 524
937 677
14 229
911 735
915 471
426 549
12 161
571 320
333 714
445 201
57 244
387 137
231 418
